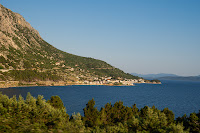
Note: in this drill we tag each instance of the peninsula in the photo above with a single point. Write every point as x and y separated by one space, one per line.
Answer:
27 60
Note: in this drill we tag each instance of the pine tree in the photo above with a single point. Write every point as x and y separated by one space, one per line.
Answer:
91 114
194 123
169 114
56 102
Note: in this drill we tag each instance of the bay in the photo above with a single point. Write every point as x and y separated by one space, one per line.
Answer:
182 97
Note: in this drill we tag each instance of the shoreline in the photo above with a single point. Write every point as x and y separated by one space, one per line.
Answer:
12 84
5 87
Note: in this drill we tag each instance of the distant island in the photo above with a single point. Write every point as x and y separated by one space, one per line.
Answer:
189 78
164 76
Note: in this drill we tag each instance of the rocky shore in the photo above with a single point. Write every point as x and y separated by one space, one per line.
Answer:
7 84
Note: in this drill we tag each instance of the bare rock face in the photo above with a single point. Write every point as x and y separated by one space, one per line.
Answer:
10 21
12 27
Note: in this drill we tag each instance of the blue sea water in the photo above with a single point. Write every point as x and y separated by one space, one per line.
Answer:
182 97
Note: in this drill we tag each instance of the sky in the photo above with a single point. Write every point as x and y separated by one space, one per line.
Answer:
137 36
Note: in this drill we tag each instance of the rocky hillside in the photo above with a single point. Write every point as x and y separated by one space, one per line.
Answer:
25 56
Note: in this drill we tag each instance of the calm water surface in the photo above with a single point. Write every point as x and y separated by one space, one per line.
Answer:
179 96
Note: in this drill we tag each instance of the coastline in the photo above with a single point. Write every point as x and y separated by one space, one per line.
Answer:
9 84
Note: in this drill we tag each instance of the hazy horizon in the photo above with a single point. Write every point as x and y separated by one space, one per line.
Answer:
144 37
162 73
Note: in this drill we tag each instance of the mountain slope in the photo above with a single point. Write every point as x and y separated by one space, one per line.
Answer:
24 54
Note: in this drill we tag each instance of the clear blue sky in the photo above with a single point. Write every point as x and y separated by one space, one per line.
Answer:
141 36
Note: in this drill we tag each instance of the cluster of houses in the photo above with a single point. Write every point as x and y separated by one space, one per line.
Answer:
110 81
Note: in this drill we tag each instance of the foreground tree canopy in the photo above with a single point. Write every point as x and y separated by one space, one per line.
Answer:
38 115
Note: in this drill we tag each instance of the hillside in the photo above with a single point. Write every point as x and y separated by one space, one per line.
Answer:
25 56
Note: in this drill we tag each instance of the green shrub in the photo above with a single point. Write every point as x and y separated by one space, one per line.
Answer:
1 67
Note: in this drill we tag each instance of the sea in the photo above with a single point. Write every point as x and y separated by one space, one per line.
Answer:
182 97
